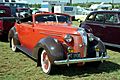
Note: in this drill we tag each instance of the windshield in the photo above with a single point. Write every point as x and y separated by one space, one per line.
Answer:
119 17
53 18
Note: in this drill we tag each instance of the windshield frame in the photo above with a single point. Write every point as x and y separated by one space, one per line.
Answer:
64 18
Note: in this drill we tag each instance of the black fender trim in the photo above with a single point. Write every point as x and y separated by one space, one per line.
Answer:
101 45
96 43
13 34
54 49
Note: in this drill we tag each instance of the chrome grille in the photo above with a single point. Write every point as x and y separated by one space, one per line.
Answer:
84 39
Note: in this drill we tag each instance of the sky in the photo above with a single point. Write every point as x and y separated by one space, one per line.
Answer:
79 1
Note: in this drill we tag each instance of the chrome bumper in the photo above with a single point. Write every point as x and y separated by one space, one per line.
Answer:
71 61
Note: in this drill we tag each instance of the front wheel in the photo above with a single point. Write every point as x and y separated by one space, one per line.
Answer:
45 63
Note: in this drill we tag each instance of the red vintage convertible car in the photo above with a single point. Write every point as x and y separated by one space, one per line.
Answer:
51 39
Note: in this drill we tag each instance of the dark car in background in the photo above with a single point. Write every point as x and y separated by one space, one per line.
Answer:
23 12
105 25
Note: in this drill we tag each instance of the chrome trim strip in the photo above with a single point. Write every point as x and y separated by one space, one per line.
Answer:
60 62
110 44
105 24
50 34
84 39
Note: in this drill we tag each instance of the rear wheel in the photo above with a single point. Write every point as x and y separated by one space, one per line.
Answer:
45 63
13 46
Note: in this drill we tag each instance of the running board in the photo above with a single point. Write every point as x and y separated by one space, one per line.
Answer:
25 50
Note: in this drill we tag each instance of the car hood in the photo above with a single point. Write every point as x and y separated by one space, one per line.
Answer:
61 28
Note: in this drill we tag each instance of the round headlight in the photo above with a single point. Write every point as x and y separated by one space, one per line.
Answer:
68 38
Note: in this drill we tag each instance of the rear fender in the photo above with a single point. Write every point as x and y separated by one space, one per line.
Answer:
53 47
13 34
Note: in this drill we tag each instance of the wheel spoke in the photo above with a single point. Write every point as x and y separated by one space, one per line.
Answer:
45 62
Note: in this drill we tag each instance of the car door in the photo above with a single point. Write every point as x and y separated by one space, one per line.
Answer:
96 21
112 29
26 34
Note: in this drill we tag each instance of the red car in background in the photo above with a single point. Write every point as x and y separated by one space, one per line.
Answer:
105 25
51 39
6 20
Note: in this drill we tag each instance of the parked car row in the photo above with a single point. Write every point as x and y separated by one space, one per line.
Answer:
51 39
8 19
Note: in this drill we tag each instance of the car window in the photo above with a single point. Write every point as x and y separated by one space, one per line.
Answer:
62 18
99 18
53 18
45 18
90 17
111 18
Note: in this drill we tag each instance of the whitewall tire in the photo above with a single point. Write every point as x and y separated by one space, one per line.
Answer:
13 46
45 62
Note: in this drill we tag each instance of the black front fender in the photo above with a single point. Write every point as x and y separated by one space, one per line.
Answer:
101 45
94 45
13 34
53 47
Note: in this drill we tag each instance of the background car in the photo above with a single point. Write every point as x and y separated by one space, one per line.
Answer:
105 25
7 21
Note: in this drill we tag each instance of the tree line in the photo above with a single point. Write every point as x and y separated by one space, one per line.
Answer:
86 5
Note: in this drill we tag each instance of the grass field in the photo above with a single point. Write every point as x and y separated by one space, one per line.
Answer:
18 66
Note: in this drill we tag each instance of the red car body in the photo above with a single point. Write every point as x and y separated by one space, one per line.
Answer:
51 39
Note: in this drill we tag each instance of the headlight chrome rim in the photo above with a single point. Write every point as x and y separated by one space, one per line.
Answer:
68 38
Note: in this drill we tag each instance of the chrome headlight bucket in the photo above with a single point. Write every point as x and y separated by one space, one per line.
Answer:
68 38
83 34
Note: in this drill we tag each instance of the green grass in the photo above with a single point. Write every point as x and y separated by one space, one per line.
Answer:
76 23
17 66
